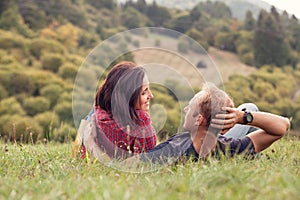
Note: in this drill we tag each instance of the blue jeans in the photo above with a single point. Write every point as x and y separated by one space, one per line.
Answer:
239 131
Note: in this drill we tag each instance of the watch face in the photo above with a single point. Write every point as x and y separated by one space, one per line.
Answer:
249 117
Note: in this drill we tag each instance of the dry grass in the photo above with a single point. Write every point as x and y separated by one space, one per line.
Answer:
220 64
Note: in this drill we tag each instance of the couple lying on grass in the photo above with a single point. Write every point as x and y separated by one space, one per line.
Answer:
121 125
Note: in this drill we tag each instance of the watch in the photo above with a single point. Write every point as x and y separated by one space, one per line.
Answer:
248 117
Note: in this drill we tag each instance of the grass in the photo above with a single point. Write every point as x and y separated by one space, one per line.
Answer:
46 171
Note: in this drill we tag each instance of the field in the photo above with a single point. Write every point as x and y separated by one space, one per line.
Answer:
47 171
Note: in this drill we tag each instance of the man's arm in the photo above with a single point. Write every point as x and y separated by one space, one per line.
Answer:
272 127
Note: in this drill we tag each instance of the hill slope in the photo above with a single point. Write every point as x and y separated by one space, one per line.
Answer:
237 7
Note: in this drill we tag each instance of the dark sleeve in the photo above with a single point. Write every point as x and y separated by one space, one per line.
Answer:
169 151
231 147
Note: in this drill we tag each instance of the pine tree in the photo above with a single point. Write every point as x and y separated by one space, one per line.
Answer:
249 22
270 46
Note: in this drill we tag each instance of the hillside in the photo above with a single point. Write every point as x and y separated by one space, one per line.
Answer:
219 62
237 7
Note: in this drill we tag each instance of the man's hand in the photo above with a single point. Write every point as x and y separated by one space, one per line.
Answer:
227 120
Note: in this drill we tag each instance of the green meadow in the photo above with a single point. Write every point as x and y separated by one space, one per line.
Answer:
47 171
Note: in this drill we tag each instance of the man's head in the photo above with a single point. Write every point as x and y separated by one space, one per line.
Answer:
204 106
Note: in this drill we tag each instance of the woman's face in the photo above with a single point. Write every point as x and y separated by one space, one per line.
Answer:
143 102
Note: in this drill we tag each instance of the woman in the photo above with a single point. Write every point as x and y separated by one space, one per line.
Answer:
121 110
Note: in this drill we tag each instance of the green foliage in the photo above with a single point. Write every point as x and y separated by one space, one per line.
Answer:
158 15
102 3
52 62
34 17
3 93
52 93
214 9
226 40
64 133
42 78
181 23
39 46
272 89
10 106
49 121
170 112
10 19
132 18
199 38
249 22
8 40
63 10
244 47
68 71
240 89
64 111
87 40
18 82
270 46
19 128
35 105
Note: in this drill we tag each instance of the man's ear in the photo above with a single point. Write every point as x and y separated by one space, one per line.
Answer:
200 120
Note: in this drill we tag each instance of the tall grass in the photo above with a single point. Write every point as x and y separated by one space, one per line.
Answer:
46 171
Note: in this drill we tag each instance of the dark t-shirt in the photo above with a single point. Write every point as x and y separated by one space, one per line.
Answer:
180 145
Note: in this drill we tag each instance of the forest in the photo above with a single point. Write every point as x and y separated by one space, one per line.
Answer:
43 44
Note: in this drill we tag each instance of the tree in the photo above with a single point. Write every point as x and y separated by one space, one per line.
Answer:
99 4
52 93
226 40
68 71
34 17
48 121
52 62
214 9
131 18
38 46
64 111
158 15
249 22
195 14
10 106
64 36
275 14
19 128
19 82
270 46
4 5
35 105
141 6
182 23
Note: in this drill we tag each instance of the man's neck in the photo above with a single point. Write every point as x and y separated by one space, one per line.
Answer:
204 142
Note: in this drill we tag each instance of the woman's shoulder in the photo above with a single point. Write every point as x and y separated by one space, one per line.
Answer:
102 114
143 115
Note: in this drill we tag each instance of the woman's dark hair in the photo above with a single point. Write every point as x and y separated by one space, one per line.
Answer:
120 92
103 96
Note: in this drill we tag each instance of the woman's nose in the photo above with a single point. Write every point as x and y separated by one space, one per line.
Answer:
150 96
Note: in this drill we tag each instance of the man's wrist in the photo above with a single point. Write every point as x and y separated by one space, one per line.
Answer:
247 116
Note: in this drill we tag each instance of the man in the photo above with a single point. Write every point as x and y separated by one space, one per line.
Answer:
209 115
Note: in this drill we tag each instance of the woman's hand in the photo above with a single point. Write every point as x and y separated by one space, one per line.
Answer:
227 120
